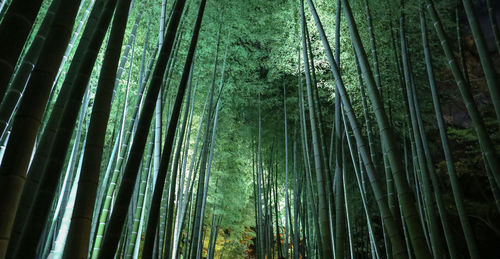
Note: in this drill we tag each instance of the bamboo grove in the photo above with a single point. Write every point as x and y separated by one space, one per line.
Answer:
249 129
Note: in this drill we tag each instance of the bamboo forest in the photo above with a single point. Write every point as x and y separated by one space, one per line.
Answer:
264 129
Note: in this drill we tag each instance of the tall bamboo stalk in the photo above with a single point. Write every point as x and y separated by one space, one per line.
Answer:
137 150
404 192
485 59
455 185
27 120
324 219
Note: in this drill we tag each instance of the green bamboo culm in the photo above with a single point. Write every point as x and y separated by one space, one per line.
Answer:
455 185
169 139
58 132
393 231
86 52
14 31
324 219
115 224
435 234
16 89
405 195
484 56
79 230
27 119
493 24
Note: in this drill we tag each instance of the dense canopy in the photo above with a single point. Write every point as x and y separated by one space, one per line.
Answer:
249 129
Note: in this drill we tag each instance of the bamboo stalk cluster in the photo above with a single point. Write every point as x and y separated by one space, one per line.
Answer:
99 159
